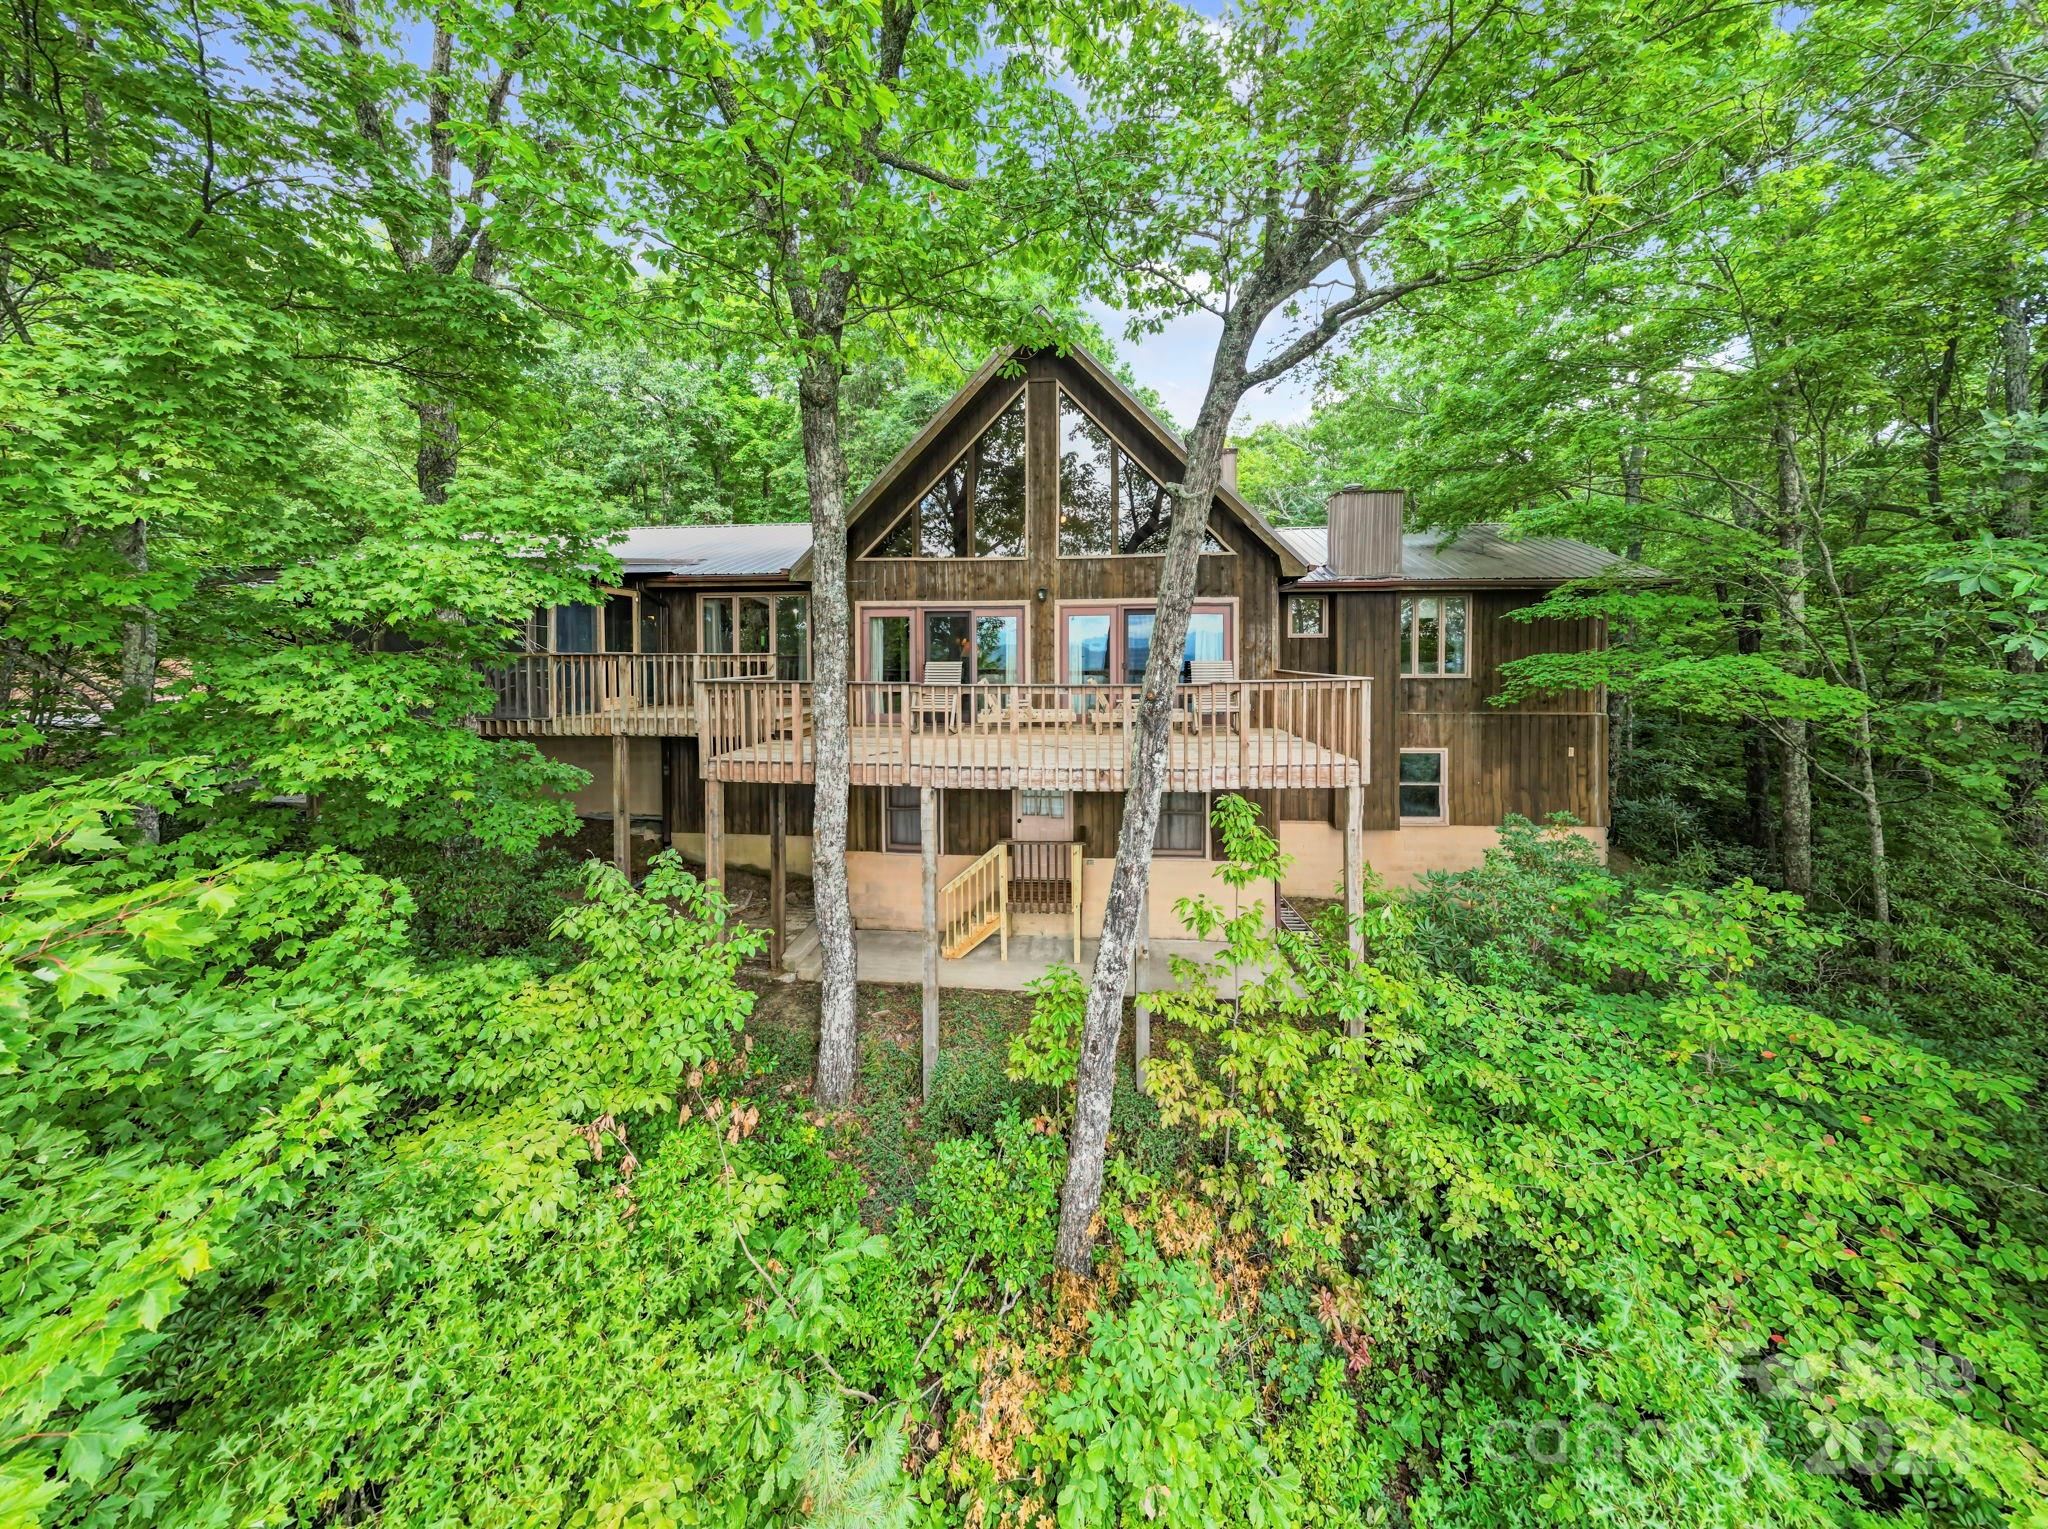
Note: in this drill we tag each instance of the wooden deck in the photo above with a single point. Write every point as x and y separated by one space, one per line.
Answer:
1297 732
1302 733
1260 759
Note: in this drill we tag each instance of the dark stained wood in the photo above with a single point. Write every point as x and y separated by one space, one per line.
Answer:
1364 627
1098 819
863 816
974 822
1533 765
778 881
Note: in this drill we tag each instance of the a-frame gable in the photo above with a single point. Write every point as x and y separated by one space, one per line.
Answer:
982 400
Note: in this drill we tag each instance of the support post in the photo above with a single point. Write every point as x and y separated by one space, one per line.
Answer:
1074 862
622 805
714 831
928 837
1141 1029
778 879
1354 875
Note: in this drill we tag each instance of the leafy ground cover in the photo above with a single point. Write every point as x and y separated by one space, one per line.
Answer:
1570 1203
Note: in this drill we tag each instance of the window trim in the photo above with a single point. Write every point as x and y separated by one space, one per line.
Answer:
1321 603
910 504
863 655
773 599
1233 629
1060 395
1443 790
1405 663
1160 852
889 845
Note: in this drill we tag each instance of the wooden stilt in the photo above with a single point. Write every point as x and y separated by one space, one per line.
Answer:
714 832
1354 876
622 805
928 836
1141 1030
778 879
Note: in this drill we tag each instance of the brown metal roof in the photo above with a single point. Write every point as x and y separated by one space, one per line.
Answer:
1480 554
714 552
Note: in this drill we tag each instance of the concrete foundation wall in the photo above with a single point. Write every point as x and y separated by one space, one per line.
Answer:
643 773
1399 856
749 852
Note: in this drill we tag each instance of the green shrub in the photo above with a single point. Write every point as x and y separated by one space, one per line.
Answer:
1158 1426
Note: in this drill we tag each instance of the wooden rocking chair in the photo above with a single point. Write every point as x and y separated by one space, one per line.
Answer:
940 694
1211 696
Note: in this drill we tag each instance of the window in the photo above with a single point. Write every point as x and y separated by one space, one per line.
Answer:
1041 804
1433 635
1305 616
976 508
774 629
1093 659
1108 503
901 810
1422 786
575 629
1183 824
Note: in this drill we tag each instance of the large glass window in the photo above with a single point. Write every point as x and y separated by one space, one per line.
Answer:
1433 635
1183 824
999 486
945 640
793 638
576 629
1087 505
976 507
889 648
1422 786
717 621
773 629
1108 503
996 656
1088 648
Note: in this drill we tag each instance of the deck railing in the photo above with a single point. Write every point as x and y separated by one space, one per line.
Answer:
605 693
976 904
1302 732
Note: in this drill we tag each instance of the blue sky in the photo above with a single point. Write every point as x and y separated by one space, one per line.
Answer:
1175 361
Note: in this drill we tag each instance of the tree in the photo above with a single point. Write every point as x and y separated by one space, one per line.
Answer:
822 176
210 555
1316 166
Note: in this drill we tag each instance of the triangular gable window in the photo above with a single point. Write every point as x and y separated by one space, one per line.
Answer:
976 508
1109 505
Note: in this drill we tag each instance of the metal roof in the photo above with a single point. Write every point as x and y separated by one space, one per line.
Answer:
714 552
1480 554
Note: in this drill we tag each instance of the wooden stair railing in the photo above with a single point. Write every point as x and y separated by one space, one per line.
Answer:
1045 877
976 904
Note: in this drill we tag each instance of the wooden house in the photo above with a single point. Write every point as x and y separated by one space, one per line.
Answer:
1002 574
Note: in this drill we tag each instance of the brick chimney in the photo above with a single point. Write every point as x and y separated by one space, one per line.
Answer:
1230 468
1365 532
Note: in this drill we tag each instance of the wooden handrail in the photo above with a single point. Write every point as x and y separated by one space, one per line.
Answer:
976 904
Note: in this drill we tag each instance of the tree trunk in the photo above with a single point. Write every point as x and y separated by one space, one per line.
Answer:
1095 1083
2014 396
138 661
1795 780
440 446
1621 712
825 466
